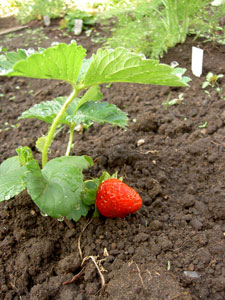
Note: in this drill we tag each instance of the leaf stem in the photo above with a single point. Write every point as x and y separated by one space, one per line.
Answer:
53 127
69 146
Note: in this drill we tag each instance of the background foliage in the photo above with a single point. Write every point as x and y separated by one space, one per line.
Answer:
151 27
144 26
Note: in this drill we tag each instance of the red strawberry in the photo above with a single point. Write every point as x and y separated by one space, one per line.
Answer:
115 199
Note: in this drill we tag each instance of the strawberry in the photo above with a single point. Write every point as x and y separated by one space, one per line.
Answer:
116 199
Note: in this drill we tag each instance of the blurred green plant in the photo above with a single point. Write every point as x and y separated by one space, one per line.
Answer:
204 125
28 10
212 80
210 24
105 5
151 27
173 101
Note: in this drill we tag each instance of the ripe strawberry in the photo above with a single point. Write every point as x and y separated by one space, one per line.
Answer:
115 199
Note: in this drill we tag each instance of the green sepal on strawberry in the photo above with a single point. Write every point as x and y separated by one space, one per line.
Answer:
91 187
116 199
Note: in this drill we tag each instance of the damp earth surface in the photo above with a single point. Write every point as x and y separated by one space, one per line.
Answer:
173 155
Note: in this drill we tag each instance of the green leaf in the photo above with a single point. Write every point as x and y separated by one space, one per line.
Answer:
219 76
101 112
80 162
25 155
14 57
90 191
203 125
209 76
180 72
40 143
11 178
92 94
120 65
89 112
56 189
9 59
45 111
205 84
35 181
62 62
91 187
84 67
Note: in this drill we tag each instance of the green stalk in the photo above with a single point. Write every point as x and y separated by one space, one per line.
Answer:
185 23
53 127
69 146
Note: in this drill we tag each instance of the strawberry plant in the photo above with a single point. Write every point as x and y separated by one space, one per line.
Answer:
58 186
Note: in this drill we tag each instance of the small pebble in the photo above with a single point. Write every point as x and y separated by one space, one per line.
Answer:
140 142
191 274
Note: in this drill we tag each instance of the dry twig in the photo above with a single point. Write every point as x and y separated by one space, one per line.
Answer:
97 267
79 238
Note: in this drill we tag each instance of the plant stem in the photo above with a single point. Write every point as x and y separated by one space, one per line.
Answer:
69 146
53 127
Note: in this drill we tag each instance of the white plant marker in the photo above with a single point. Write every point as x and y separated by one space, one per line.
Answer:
78 23
47 20
217 2
197 61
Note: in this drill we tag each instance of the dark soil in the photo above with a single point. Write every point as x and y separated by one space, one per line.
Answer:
173 247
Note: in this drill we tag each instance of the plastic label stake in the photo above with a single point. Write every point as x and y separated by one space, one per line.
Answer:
197 61
78 26
47 20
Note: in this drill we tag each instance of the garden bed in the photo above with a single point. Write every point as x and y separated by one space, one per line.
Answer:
173 247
